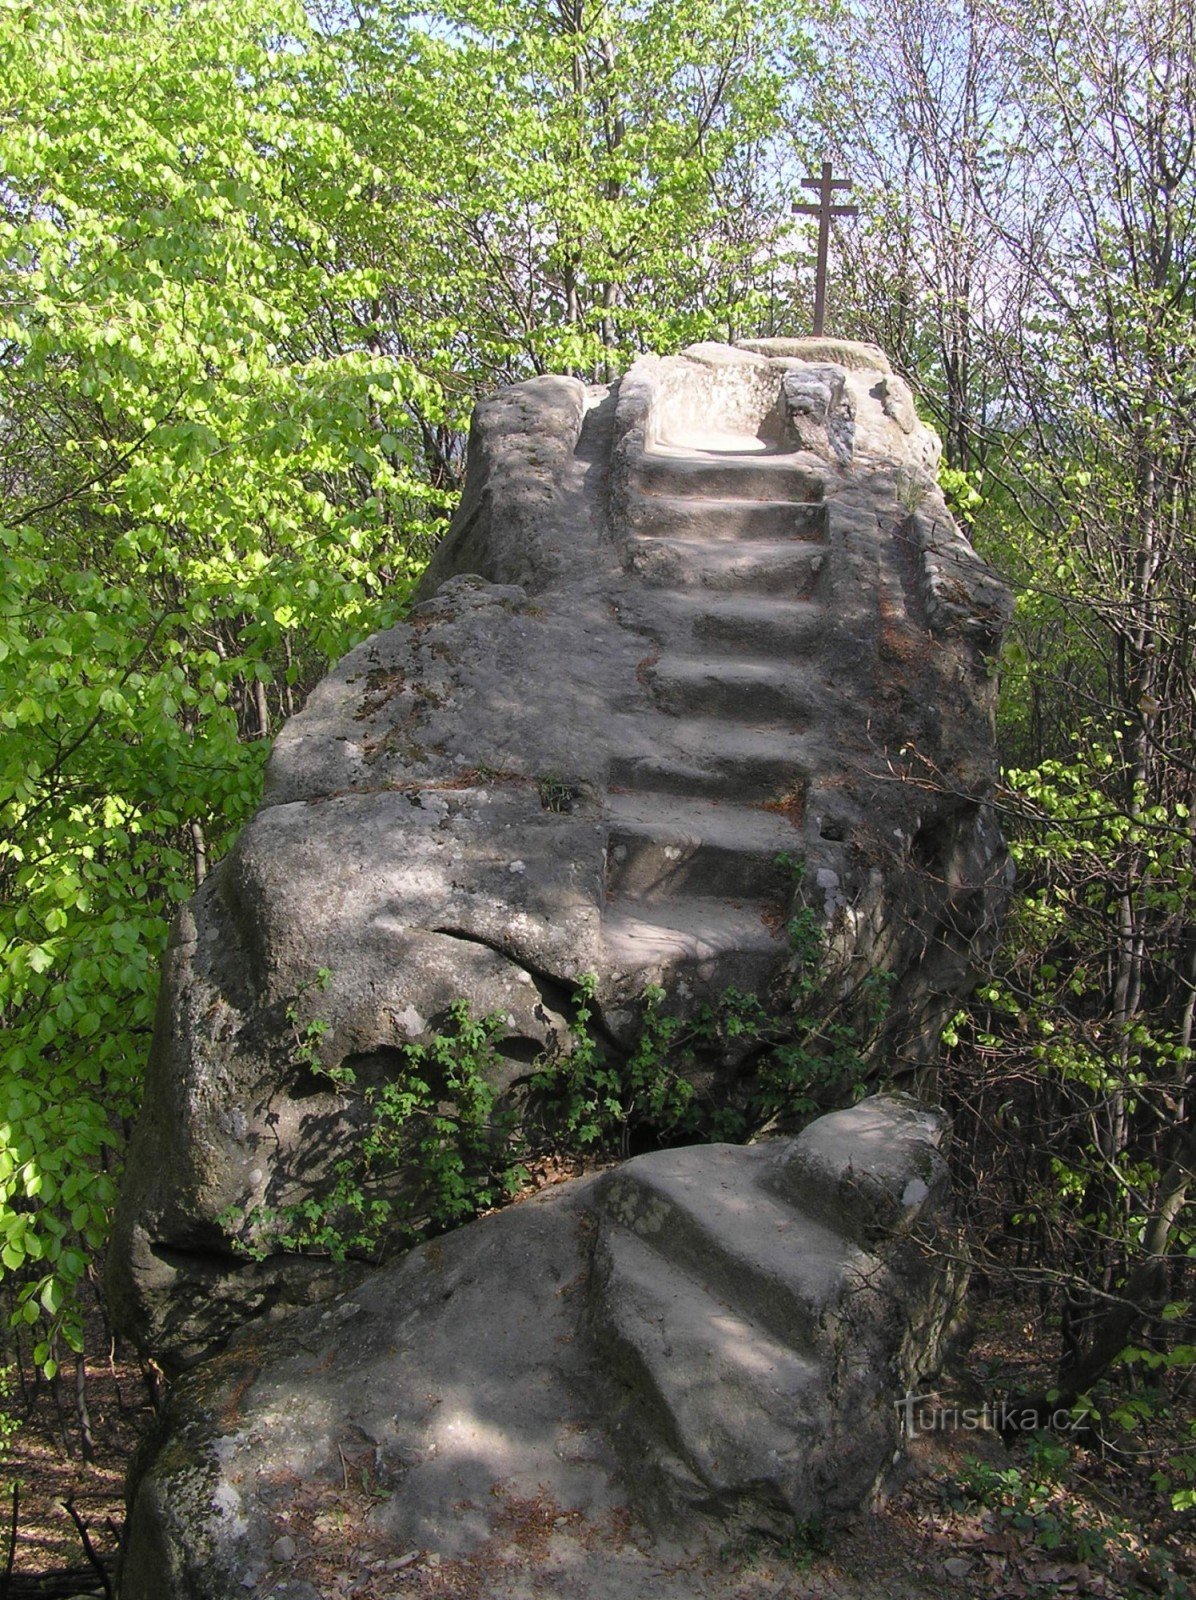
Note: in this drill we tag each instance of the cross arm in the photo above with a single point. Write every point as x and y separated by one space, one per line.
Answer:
833 211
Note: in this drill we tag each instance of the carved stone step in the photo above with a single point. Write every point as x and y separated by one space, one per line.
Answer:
726 517
663 845
868 1171
752 624
712 1401
720 1223
724 943
782 567
722 1315
751 690
734 760
742 476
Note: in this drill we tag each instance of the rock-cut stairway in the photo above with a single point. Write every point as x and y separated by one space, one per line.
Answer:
728 539
740 1306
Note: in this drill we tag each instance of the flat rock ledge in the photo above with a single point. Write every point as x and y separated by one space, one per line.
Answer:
583 1395
683 633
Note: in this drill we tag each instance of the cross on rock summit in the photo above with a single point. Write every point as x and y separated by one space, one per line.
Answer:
824 211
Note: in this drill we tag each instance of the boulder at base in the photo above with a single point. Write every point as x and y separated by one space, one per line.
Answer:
684 634
579 1396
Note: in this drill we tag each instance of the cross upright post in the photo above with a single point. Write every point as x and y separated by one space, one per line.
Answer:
824 211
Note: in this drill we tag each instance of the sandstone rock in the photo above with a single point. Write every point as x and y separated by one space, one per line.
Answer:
847 353
595 1385
677 630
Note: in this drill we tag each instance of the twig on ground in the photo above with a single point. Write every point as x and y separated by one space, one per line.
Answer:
68 1506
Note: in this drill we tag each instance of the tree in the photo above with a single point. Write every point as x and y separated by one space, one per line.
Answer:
914 104
201 507
1027 177
1097 514
605 180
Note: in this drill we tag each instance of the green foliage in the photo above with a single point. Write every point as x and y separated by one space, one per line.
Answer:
1032 1498
441 1119
962 492
9 1425
595 1099
799 1052
807 1539
818 1046
433 1151
605 175
308 1035
1140 1402
1051 1024
437 1145
555 794
253 273
201 507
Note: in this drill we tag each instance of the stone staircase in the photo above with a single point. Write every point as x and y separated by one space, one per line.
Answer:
740 1307
728 539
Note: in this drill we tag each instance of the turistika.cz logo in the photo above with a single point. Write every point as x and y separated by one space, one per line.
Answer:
926 1413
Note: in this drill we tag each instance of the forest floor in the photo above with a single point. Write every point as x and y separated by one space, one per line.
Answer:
972 1516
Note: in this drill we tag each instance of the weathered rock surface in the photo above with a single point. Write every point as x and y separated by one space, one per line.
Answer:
580 1394
715 614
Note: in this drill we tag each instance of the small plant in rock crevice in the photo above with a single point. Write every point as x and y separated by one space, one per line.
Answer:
556 794
308 1036
800 1546
434 1150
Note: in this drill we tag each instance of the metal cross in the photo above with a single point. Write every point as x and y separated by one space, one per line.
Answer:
824 211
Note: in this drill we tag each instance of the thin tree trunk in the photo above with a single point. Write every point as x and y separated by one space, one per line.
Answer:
82 1411
199 852
262 709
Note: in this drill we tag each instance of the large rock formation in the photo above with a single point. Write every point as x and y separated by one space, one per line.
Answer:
578 1396
715 615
